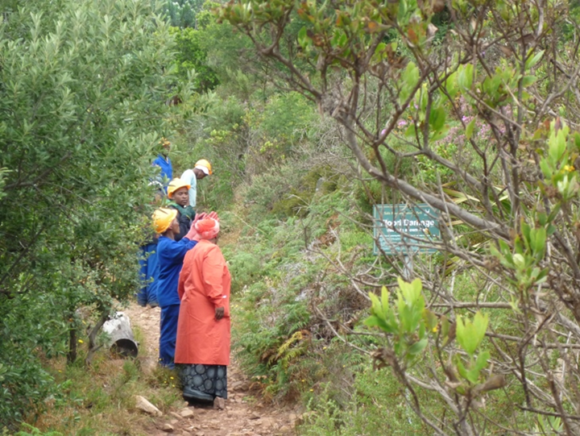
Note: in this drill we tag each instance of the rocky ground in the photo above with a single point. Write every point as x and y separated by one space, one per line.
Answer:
243 413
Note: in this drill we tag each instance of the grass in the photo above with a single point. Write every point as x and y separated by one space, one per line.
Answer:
100 400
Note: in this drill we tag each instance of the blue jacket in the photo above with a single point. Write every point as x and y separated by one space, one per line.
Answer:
166 169
170 256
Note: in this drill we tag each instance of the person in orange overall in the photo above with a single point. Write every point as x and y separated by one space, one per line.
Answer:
202 351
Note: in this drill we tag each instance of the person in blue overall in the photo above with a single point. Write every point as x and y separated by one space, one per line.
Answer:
148 272
162 161
148 261
170 257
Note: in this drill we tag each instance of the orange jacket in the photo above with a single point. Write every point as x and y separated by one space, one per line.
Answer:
204 284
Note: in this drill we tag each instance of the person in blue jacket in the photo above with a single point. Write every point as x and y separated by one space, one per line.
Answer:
162 161
170 260
147 294
170 254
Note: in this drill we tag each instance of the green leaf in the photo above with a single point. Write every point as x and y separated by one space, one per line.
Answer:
557 144
380 49
374 320
411 76
440 134
451 85
576 140
546 169
539 237
385 299
431 319
482 360
461 369
526 232
472 375
469 129
377 307
303 37
528 80
437 118
465 76
532 61
418 346
554 212
410 304
445 327
471 333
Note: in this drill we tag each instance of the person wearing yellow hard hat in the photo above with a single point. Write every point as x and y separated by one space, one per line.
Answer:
178 194
170 255
201 169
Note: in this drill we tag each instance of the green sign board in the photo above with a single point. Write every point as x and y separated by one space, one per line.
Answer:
400 228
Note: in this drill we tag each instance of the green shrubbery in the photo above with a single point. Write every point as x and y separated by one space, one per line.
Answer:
376 406
287 277
82 107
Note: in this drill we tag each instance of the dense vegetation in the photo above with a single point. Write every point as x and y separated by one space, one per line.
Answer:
83 104
311 113
469 107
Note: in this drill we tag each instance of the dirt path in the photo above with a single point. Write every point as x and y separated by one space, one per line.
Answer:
243 415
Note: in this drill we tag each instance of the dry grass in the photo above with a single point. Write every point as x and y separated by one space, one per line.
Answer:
100 400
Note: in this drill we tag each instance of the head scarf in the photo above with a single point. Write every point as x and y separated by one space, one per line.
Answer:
207 228
162 219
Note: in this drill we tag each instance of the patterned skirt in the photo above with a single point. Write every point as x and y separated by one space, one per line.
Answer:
204 382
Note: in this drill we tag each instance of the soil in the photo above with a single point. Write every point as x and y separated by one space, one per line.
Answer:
244 414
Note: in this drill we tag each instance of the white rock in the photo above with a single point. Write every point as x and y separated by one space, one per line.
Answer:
146 406
186 413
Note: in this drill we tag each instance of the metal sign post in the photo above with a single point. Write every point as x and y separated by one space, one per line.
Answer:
405 229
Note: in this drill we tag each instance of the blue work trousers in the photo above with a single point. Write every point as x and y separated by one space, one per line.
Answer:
169 317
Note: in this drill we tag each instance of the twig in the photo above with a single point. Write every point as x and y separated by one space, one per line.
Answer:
368 353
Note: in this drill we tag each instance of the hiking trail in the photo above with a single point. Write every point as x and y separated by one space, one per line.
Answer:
244 414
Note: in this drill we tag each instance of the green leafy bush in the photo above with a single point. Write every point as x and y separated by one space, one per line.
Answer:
82 109
191 58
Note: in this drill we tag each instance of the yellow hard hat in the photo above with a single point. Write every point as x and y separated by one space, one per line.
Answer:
162 219
174 185
204 165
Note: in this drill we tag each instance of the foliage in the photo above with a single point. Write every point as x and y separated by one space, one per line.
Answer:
191 59
470 107
36 432
182 13
82 104
377 406
279 336
498 83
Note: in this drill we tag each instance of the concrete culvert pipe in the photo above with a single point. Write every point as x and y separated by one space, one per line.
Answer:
121 340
